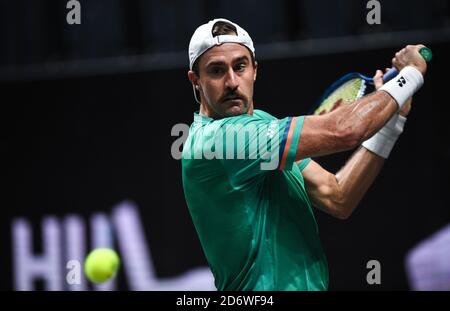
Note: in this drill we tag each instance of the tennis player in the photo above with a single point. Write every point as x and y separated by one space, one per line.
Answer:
248 177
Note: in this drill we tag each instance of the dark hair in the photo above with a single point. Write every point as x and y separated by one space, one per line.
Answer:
220 28
223 28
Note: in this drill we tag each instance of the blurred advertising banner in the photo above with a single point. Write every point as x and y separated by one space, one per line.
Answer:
64 245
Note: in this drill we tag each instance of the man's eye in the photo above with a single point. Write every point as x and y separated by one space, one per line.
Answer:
240 67
215 70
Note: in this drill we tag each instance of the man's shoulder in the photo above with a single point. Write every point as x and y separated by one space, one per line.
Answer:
210 127
263 115
234 120
258 115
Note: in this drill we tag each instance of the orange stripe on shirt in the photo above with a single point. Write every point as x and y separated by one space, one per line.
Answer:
288 143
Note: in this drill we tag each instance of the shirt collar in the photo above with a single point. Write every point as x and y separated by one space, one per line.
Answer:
199 118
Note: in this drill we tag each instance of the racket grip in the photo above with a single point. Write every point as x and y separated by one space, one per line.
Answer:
426 54
390 74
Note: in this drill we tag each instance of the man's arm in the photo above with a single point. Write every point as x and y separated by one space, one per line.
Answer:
339 194
348 126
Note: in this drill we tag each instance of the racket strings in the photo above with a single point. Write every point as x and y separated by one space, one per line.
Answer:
343 95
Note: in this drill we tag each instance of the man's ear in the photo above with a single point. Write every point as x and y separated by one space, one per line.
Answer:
256 70
193 78
195 85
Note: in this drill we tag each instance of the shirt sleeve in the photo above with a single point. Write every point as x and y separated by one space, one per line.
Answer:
254 146
303 163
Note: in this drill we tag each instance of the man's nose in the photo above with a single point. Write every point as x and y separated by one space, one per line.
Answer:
230 79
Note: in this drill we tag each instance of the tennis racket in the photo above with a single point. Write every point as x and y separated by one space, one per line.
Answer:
353 86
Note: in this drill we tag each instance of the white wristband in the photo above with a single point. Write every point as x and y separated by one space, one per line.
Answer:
404 85
384 140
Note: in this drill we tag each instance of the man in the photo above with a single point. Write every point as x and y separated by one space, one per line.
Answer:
250 193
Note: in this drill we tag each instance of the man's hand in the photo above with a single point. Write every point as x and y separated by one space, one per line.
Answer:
378 82
410 56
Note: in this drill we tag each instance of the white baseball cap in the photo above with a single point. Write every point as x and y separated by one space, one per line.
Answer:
202 39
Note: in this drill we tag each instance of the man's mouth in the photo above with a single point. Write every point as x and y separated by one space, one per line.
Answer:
233 99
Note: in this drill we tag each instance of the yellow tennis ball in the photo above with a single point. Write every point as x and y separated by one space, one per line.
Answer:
101 265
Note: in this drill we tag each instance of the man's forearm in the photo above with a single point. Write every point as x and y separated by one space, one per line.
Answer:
346 127
368 114
355 178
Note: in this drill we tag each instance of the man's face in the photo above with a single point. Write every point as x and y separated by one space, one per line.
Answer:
226 78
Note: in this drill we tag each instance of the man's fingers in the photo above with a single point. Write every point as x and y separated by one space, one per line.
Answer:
378 79
394 62
419 46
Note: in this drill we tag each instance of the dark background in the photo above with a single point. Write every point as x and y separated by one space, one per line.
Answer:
88 111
